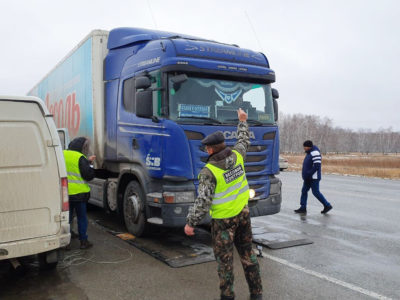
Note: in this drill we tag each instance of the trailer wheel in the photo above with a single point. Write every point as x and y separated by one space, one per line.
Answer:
134 209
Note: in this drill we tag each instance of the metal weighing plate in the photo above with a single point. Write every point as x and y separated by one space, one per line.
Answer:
177 250
170 246
263 235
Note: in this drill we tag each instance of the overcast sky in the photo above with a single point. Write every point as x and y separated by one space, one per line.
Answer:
338 59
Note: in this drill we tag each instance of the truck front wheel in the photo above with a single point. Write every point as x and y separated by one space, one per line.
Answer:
134 209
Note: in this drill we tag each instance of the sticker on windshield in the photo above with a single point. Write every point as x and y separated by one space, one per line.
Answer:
192 110
264 117
228 97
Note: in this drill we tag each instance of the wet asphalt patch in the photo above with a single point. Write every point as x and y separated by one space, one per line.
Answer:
32 283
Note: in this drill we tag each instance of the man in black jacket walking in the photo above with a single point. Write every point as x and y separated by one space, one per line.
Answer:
79 171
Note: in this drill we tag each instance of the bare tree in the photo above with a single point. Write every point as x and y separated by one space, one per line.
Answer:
296 128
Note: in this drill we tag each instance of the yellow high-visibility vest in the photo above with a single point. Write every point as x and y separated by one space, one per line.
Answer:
232 190
76 184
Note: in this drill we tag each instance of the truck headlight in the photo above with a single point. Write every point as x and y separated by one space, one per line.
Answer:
252 193
179 197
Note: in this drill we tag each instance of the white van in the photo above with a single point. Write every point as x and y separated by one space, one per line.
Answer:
33 182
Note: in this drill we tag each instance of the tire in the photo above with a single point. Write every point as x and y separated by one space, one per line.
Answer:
138 227
43 264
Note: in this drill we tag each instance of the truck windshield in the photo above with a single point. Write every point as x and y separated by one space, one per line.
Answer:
205 101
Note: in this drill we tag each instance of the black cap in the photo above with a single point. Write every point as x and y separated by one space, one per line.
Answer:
308 143
213 139
77 144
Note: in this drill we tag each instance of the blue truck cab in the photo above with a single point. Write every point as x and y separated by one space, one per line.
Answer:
163 93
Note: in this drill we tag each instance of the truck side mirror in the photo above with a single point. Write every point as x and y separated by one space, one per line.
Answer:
275 93
142 82
144 104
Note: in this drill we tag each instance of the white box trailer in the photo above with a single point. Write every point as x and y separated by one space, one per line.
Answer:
33 182
74 91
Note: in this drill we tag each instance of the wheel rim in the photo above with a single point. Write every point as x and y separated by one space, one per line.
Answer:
133 208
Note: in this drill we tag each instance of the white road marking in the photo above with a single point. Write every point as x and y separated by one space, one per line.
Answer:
325 277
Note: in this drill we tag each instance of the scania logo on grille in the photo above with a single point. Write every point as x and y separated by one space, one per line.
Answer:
229 135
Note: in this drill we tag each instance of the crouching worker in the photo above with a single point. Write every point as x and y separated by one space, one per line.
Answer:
223 189
79 171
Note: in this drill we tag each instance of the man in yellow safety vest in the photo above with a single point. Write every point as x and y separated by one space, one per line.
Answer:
224 192
79 171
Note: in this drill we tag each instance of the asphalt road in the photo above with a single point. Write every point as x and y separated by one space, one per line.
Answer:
355 255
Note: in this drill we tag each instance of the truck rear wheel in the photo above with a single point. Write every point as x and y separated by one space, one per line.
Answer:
134 209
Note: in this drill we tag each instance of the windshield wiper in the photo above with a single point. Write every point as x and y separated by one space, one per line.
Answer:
255 122
215 121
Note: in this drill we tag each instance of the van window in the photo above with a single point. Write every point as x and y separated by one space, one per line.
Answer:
21 145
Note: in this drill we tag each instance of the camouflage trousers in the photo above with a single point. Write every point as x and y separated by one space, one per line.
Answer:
235 231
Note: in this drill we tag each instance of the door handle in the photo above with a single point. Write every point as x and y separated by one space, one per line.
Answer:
135 144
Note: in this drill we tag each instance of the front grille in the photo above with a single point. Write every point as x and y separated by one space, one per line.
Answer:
254 161
256 148
269 135
256 186
255 177
254 168
255 158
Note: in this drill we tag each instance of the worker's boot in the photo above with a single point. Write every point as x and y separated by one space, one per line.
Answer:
256 297
85 244
301 210
326 209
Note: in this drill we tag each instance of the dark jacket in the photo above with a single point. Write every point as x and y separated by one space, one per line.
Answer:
87 172
312 164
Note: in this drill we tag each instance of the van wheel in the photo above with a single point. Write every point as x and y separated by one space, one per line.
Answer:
45 257
134 209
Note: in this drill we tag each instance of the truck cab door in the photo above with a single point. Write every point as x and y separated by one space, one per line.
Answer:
139 138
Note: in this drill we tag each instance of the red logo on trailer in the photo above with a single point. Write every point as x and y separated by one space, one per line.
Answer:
66 113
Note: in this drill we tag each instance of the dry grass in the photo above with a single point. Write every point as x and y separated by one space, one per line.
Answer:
373 165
